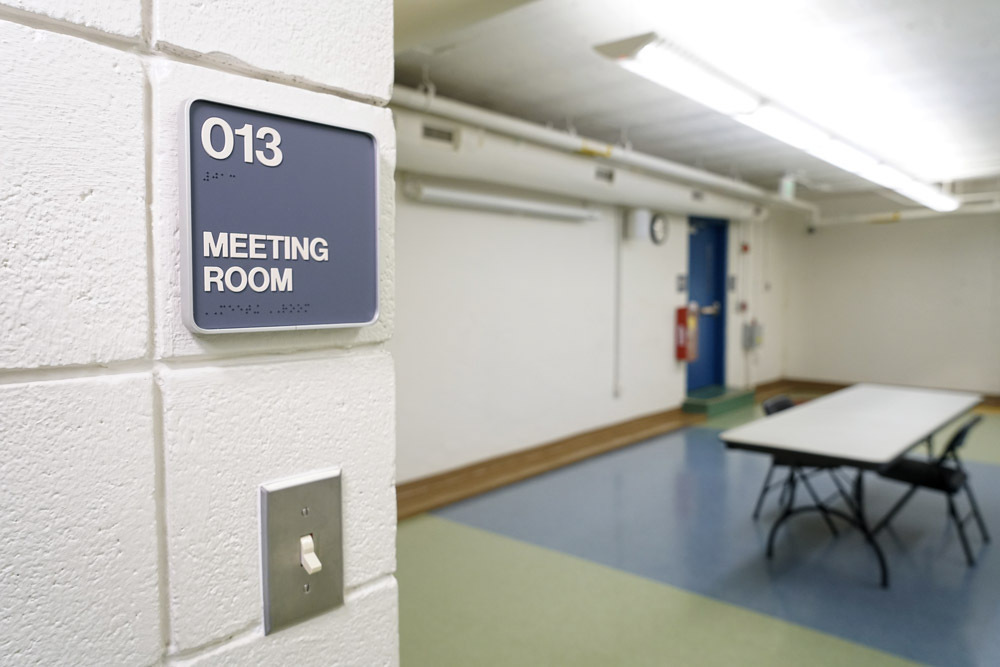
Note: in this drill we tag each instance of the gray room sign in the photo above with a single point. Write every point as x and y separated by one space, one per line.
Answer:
283 222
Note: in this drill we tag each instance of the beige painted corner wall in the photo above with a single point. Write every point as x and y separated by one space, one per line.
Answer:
915 303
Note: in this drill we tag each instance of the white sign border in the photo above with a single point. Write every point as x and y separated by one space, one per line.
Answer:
187 264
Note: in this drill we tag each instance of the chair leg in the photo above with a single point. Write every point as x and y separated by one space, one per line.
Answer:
763 491
975 513
884 521
961 531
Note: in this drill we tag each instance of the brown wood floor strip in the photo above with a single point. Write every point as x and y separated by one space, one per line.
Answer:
762 392
438 490
811 386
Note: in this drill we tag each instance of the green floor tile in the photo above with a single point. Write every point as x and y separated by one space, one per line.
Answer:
470 597
717 400
983 443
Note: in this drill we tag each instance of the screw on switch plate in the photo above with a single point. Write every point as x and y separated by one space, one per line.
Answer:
302 562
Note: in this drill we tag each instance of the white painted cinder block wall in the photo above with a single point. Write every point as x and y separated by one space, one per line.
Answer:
132 450
913 303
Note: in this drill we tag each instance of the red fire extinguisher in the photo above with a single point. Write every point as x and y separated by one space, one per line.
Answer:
686 333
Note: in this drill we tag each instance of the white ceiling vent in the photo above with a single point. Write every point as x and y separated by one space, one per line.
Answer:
440 134
605 174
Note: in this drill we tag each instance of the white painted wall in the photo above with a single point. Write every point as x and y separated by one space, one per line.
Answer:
132 449
651 379
762 282
915 303
506 331
506 334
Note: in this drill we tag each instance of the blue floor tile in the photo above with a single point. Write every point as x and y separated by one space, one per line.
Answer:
677 508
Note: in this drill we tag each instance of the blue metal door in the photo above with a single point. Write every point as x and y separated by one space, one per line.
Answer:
707 287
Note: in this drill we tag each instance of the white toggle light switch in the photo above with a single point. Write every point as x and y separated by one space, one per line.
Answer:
307 555
300 521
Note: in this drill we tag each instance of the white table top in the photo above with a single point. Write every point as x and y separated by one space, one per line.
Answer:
866 424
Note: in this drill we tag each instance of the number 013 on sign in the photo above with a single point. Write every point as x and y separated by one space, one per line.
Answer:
282 222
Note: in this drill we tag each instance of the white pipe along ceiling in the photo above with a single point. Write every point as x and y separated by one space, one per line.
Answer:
966 210
410 98
428 146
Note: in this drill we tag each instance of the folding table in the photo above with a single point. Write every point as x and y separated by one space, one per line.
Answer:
866 426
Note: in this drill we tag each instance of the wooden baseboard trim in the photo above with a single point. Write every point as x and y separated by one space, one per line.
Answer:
438 490
762 392
791 385
796 384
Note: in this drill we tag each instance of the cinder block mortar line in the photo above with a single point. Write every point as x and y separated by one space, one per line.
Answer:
134 366
40 22
167 51
358 590
159 456
253 632
147 22
147 118
75 372
274 356
244 635
231 65
160 500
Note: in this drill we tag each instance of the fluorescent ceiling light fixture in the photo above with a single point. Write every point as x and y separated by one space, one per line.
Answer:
452 196
785 127
663 63
844 156
671 68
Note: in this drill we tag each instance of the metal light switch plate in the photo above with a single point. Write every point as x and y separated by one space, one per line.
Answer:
290 509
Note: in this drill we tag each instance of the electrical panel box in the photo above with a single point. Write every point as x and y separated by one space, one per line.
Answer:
753 335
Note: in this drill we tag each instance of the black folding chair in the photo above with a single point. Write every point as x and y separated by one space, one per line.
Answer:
771 406
945 474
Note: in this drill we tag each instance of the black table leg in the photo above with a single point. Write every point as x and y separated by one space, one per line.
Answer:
856 518
785 512
862 523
